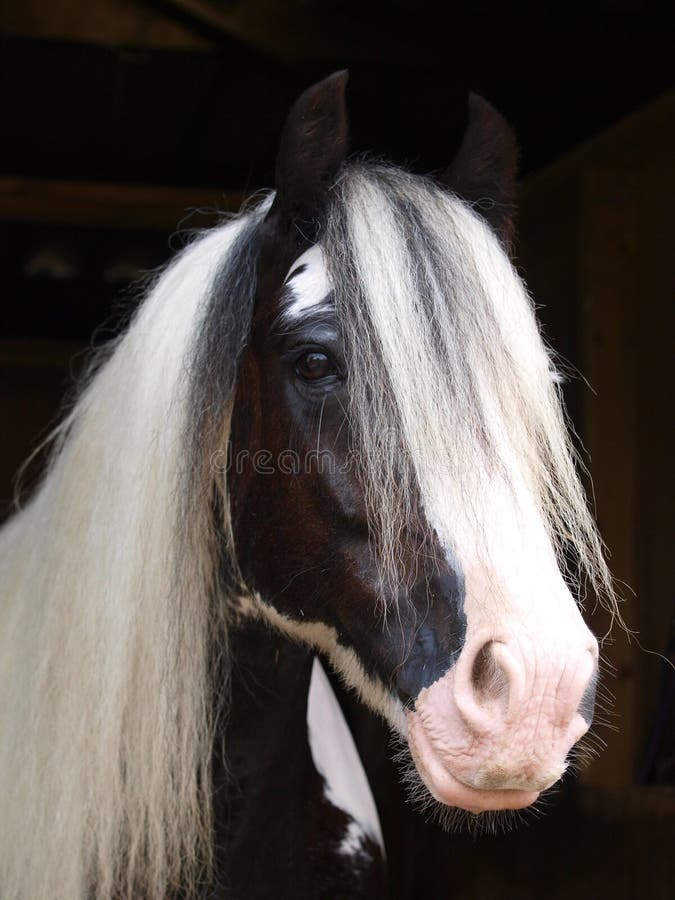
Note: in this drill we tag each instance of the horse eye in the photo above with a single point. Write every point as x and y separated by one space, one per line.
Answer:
313 366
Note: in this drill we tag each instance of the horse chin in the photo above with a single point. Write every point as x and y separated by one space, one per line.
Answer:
448 790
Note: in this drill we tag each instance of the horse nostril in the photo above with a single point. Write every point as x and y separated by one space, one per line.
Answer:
587 705
488 679
480 674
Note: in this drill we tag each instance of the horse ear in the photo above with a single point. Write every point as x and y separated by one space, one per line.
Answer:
312 148
485 167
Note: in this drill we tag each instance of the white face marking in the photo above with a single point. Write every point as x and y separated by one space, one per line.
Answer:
337 761
307 283
512 578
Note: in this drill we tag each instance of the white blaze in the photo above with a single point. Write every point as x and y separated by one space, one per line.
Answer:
307 282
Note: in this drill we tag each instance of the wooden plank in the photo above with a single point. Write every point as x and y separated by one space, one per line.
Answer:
110 205
108 22
643 137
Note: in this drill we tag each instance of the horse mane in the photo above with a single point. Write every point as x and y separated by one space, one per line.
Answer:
109 633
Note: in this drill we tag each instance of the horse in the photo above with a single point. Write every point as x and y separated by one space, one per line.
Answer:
331 438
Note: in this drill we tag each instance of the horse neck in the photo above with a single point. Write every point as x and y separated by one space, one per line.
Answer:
268 704
268 792
264 733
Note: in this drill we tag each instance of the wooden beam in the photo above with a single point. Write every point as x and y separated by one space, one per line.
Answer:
106 22
110 205
297 30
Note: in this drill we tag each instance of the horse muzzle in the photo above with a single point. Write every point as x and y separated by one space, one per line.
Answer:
495 731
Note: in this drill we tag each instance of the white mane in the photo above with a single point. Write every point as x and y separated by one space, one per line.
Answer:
106 627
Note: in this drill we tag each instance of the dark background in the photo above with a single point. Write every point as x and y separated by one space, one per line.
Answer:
193 93
126 123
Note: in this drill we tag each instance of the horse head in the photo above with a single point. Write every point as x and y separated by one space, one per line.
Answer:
400 484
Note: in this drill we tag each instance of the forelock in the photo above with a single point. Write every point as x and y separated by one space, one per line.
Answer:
450 383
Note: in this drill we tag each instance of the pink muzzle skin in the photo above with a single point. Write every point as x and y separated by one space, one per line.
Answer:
495 730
